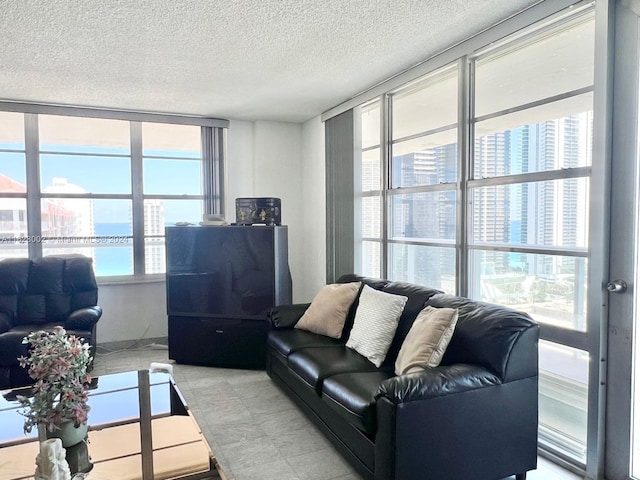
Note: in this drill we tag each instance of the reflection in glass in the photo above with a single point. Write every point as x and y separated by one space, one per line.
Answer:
119 406
424 265
552 213
563 389
424 216
550 288
550 137
549 64
426 104
427 160
83 135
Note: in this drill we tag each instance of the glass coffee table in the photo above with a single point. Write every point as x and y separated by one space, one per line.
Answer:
140 428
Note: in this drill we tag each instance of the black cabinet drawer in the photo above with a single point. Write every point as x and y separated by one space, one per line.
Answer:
220 342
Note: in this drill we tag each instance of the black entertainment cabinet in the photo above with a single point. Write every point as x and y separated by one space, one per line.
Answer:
221 282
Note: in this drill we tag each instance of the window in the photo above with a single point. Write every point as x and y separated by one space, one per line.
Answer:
368 199
172 184
479 184
529 197
102 187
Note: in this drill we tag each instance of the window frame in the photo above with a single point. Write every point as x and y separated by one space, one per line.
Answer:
212 134
590 341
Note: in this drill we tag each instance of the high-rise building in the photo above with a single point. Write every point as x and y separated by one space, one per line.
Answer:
154 258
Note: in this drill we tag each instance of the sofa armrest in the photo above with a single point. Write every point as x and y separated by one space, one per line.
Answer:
83 318
435 382
426 419
286 316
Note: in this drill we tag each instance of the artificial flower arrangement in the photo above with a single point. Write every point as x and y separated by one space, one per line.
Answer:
58 363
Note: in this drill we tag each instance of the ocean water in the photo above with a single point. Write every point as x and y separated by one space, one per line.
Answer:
116 259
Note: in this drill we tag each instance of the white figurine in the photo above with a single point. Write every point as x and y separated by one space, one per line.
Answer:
50 462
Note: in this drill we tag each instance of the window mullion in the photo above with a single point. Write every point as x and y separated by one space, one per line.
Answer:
386 122
34 224
137 208
465 162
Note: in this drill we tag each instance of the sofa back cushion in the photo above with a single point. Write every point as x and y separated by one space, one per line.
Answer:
417 296
498 338
47 289
14 274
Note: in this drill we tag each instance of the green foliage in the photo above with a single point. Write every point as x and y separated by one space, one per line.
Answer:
58 363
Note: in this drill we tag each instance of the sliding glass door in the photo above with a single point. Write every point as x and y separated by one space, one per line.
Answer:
529 192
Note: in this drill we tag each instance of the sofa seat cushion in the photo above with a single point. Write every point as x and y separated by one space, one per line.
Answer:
287 341
351 395
313 365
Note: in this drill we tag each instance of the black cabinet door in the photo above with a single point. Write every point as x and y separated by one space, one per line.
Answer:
218 342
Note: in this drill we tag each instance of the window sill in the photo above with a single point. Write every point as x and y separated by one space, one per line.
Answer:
130 279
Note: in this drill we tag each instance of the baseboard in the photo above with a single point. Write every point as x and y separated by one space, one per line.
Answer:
106 347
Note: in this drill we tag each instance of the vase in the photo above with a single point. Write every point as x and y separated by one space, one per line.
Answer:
69 433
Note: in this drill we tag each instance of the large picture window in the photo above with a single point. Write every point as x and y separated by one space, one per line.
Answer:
484 167
102 187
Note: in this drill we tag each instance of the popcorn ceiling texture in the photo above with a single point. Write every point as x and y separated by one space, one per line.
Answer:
285 60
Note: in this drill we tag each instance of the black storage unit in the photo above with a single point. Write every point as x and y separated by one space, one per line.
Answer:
221 282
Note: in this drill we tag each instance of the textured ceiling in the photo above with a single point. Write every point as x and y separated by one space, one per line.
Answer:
286 60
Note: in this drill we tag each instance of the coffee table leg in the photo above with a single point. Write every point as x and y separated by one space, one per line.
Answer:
146 438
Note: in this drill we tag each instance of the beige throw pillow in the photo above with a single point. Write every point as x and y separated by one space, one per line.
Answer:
375 323
427 340
328 310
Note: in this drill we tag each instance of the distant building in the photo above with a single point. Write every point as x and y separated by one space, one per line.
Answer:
59 217
80 220
154 258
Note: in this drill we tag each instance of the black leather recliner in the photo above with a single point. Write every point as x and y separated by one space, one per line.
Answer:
474 417
38 295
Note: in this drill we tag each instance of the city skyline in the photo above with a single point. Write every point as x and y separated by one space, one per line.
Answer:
540 214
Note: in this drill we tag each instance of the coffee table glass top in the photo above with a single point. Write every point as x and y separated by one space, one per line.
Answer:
135 432
113 399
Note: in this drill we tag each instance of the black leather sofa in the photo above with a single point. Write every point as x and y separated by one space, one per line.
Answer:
38 295
474 417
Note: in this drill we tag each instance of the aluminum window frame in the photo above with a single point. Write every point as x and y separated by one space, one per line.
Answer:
213 140
466 54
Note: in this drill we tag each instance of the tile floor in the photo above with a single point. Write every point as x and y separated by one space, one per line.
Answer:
255 431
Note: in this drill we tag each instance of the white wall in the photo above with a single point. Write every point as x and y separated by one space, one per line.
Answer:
264 159
132 311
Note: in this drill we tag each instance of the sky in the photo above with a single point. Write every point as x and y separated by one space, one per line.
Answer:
112 175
